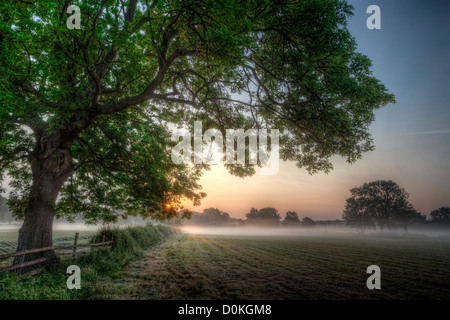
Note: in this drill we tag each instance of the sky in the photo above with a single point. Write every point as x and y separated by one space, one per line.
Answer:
410 55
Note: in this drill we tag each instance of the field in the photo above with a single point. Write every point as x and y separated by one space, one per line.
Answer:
8 240
254 266
289 267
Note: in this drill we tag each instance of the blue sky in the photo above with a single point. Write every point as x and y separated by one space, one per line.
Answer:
410 56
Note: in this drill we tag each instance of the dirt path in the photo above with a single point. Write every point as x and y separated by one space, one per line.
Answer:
135 284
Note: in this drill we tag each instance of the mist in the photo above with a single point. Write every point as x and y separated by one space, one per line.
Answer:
60 226
319 231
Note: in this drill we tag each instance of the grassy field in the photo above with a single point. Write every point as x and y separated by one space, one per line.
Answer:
8 239
191 267
297 267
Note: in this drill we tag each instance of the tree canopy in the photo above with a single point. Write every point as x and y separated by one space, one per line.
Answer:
211 216
291 218
308 222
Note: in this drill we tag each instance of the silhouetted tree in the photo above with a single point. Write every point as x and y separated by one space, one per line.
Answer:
291 219
441 216
408 217
252 215
265 216
357 218
383 201
307 222
211 216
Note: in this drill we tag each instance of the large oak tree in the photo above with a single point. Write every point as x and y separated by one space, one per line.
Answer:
84 113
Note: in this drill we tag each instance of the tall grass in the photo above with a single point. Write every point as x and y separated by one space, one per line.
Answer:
102 264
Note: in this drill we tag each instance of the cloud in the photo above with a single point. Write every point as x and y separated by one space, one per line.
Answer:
431 132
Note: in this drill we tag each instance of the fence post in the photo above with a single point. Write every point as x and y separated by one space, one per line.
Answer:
75 246
91 247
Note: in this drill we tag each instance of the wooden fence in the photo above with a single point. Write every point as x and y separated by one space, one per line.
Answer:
72 255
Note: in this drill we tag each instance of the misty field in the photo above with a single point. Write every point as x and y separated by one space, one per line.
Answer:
8 240
244 264
288 267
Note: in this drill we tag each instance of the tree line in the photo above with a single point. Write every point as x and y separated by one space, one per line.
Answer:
266 216
380 204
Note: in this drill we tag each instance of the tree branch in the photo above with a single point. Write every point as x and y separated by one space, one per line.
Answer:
148 92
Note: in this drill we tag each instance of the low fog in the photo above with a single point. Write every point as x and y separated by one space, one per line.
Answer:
272 231
319 231
60 226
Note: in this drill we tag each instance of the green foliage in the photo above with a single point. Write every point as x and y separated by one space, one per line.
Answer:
98 101
47 286
100 265
128 244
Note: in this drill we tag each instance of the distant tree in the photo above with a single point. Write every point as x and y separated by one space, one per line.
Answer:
441 216
252 215
212 216
418 218
307 222
291 218
265 216
410 217
382 201
357 218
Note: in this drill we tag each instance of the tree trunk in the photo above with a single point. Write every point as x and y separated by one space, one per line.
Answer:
51 166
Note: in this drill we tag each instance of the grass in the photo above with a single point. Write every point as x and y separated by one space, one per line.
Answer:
100 266
255 267
188 267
